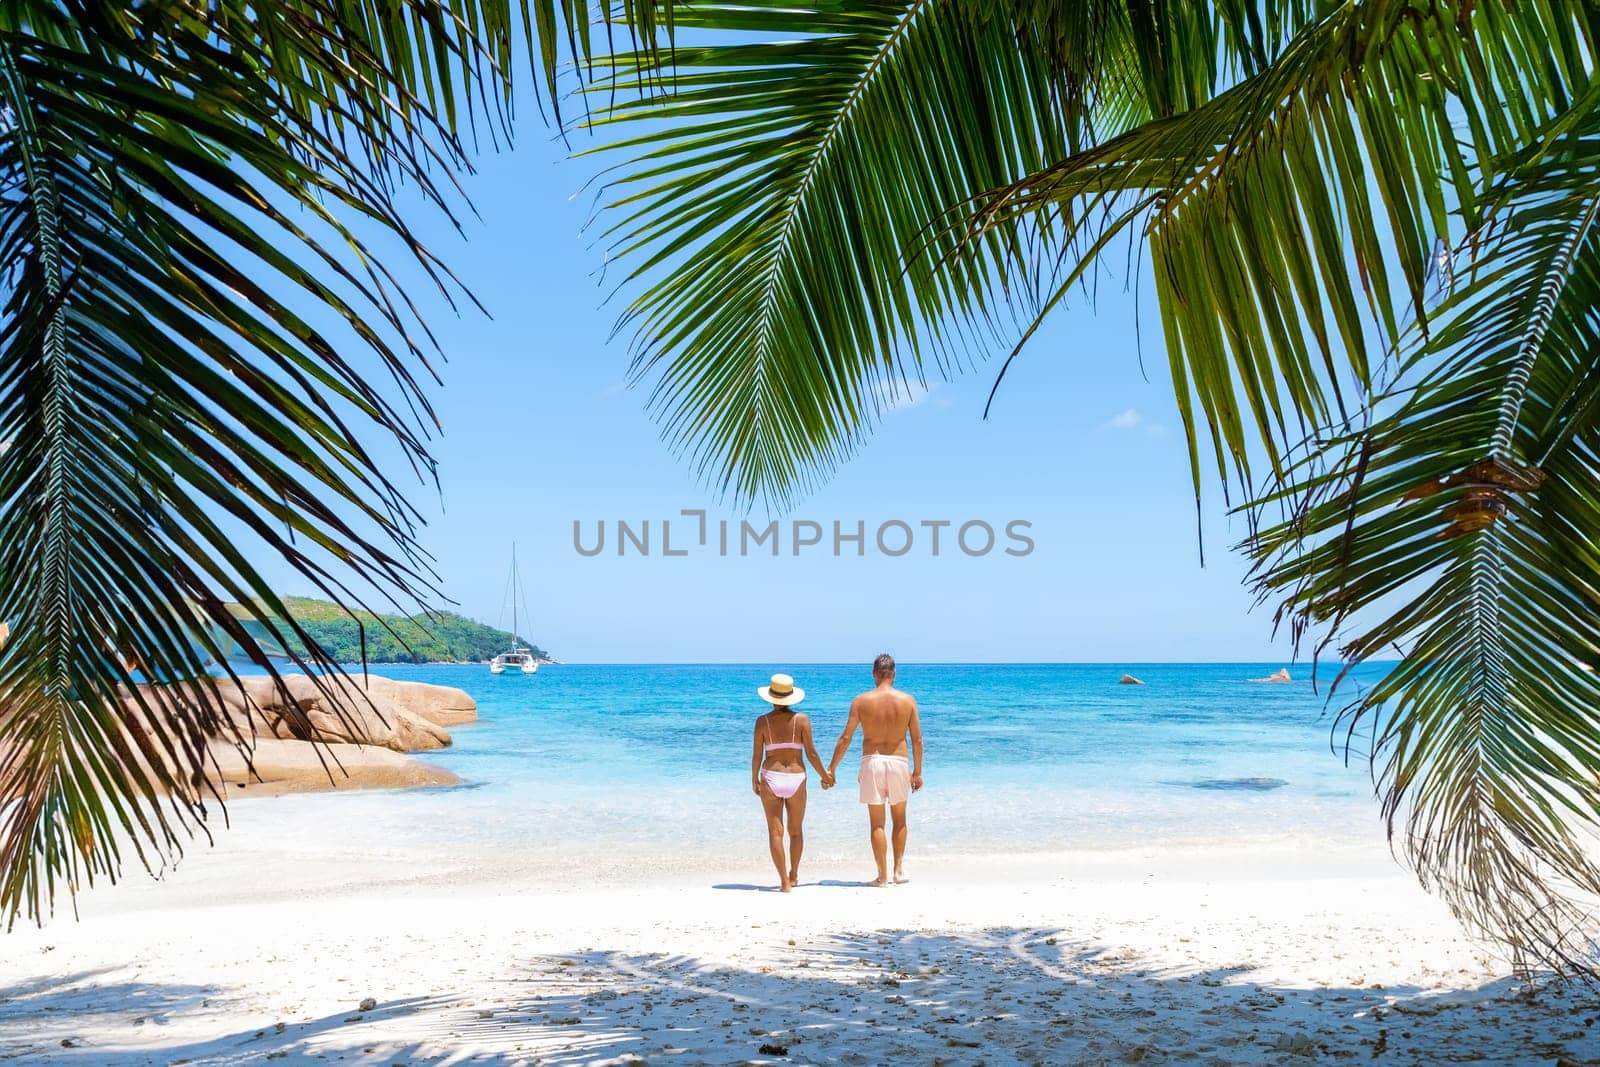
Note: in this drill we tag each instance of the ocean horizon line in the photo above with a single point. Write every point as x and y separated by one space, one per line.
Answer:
918 663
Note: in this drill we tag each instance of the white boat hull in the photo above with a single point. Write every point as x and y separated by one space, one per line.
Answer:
521 664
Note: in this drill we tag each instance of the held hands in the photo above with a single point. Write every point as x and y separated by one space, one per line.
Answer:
829 780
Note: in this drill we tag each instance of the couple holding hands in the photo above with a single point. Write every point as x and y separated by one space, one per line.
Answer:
887 778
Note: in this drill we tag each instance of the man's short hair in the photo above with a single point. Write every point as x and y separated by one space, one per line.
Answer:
883 666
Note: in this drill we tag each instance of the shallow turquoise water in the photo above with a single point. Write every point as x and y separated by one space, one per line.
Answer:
581 759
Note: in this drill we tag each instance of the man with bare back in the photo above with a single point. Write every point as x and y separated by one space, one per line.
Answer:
886 716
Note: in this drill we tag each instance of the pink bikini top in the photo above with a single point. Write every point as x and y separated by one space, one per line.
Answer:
791 743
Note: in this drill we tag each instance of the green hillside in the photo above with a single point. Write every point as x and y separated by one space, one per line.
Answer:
444 638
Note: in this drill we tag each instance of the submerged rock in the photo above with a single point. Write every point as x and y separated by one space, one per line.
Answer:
1258 785
1128 679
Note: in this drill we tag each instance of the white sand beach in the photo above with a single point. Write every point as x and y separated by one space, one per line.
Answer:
266 947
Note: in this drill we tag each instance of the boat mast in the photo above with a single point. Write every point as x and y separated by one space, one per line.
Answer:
514 590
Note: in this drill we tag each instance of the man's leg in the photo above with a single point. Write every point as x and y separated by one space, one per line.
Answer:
880 843
897 813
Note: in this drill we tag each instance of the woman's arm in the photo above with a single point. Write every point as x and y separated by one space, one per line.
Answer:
755 756
811 749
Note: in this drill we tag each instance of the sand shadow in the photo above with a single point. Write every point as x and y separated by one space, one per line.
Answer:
1002 995
824 883
1009 995
120 1024
84 999
746 887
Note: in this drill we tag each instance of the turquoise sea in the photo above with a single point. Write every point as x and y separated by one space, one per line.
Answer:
615 764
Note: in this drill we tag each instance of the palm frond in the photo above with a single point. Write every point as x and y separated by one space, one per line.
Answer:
775 202
342 64
1295 214
181 192
160 397
1470 502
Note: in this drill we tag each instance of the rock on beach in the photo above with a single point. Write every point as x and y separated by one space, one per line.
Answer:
301 734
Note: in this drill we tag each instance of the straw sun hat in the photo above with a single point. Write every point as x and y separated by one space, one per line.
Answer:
782 691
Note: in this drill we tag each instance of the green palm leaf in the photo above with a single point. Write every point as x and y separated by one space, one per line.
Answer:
1470 502
181 186
1295 215
777 199
159 397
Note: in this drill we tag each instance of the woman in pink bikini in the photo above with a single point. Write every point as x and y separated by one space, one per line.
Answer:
778 774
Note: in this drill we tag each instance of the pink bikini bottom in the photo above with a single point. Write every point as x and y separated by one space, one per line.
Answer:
784 784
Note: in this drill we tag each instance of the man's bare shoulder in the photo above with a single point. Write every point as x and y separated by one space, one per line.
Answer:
886 700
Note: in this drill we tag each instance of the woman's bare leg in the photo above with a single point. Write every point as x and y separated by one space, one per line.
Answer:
772 806
796 806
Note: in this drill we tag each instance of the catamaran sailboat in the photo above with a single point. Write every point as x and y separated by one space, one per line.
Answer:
518 657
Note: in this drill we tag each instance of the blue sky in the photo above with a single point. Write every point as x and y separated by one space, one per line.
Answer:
541 430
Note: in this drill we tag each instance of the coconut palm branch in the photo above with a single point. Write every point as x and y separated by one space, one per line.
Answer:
188 195
801 239
161 396
1293 219
1459 525
773 173
1293 241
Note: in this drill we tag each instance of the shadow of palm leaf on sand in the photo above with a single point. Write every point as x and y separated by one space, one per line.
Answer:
1002 996
126 1024
85 1000
1005 996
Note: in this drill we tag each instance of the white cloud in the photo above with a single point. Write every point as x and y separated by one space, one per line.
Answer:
1125 421
902 395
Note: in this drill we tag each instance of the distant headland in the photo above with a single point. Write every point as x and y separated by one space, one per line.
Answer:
444 637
